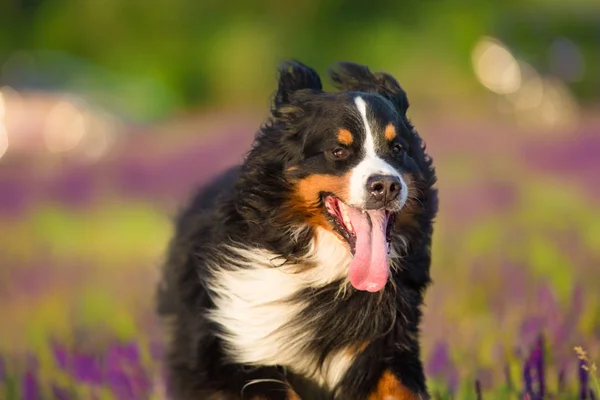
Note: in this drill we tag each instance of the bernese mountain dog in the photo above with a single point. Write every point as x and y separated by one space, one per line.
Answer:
300 273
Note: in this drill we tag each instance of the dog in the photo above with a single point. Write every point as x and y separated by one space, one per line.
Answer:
300 273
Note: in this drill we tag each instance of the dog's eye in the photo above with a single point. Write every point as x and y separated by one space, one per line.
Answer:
340 153
397 148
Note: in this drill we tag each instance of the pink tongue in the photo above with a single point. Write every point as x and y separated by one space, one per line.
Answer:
370 268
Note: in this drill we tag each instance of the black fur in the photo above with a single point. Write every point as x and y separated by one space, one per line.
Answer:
248 205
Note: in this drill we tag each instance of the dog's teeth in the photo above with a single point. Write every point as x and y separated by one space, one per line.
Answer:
346 218
348 223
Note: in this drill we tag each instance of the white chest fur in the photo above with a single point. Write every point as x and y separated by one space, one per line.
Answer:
250 306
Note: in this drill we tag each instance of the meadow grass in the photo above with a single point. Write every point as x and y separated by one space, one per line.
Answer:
515 258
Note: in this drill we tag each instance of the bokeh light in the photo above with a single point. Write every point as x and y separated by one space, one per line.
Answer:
3 131
531 92
536 102
101 135
65 126
558 110
495 66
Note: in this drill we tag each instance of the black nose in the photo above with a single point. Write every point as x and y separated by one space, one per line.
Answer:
382 189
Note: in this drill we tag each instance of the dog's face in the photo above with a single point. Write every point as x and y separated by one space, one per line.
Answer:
354 162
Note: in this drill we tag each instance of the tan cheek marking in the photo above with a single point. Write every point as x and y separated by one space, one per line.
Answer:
390 388
345 137
305 202
390 132
310 188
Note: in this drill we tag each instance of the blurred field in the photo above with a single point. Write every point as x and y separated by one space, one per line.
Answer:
104 142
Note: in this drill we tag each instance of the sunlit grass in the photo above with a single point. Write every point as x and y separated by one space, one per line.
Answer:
589 366
112 233
78 285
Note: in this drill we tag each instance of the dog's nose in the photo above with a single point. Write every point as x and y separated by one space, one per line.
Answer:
382 189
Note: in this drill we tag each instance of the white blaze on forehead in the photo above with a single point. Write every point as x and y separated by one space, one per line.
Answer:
370 165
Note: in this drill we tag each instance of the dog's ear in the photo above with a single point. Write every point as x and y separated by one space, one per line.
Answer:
352 76
293 76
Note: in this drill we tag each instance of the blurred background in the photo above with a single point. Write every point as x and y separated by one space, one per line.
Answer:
111 111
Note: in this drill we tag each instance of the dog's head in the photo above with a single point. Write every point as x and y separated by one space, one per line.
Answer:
351 160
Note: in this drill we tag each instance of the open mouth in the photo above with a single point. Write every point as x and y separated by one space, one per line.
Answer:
368 235
339 215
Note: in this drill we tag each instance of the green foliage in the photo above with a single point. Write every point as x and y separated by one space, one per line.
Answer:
99 309
9 388
142 231
170 54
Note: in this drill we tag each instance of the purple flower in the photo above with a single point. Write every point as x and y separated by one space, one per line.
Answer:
534 364
141 382
139 175
15 196
439 360
86 368
530 329
576 156
60 393
527 379
120 385
124 373
128 353
537 359
74 188
60 355
583 381
30 389
440 365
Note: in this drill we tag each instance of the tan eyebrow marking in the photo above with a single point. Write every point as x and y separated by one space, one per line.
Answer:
390 132
345 137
